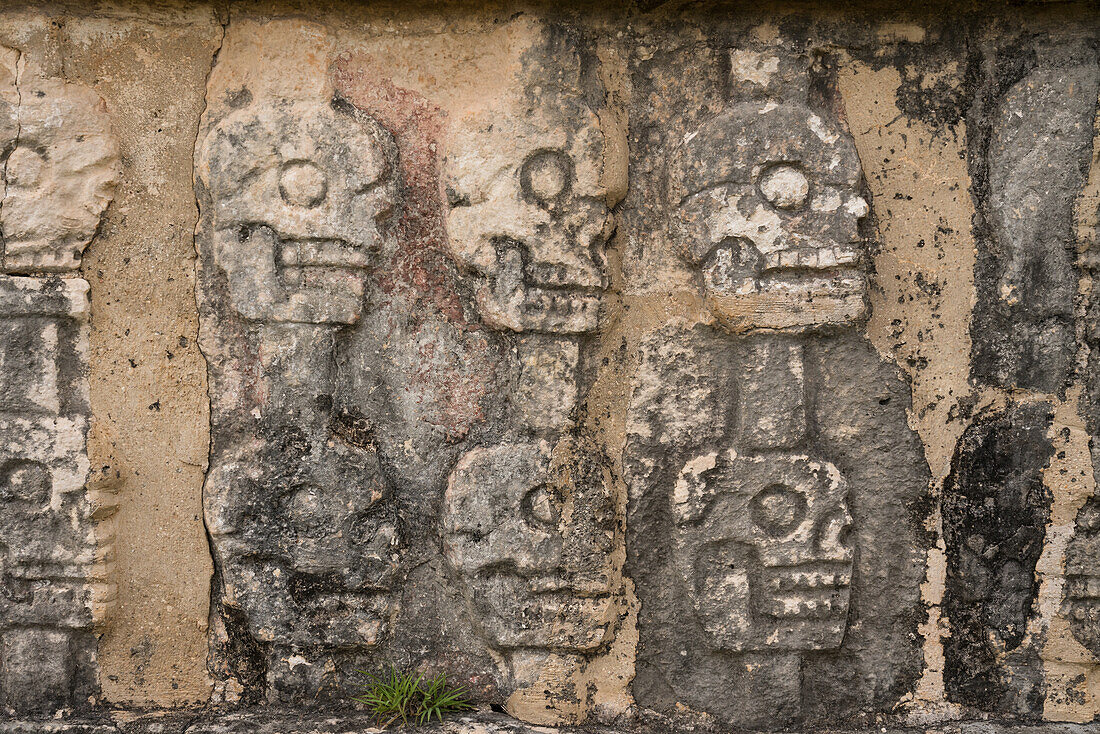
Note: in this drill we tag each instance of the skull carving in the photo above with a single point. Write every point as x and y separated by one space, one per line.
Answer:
529 219
767 206
763 543
534 552
1083 577
300 193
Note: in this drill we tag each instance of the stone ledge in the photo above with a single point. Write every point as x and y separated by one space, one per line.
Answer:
482 722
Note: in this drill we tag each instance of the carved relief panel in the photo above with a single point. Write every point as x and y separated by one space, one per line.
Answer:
531 522
295 202
60 167
744 432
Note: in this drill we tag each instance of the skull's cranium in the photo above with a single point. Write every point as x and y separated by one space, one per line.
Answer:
300 192
767 207
763 542
529 218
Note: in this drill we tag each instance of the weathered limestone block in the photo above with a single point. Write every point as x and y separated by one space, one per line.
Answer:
1039 140
48 553
1083 578
294 196
532 523
60 167
1030 153
772 229
995 511
758 446
59 177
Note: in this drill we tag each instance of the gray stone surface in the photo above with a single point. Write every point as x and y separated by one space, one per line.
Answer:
60 165
751 617
996 509
1039 140
294 198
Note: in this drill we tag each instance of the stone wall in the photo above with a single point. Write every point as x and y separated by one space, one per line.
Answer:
653 365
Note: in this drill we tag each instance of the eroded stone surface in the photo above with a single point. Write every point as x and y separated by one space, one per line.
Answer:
532 525
751 618
994 516
297 505
49 556
59 172
1040 136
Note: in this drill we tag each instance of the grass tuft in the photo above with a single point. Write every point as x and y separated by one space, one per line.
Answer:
394 695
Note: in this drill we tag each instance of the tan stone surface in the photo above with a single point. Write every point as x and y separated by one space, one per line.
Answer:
924 283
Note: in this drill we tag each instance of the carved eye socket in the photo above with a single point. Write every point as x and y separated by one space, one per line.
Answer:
539 507
785 186
546 177
302 183
778 510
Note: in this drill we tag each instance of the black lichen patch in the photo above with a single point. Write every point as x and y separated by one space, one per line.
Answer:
995 511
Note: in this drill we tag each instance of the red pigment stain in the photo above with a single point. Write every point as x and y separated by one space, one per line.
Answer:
420 278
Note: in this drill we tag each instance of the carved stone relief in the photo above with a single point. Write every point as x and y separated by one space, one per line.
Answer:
742 436
60 167
531 525
296 198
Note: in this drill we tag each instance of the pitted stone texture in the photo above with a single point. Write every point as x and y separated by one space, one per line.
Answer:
532 521
995 511
767 208
295 199
60 171
1083 577
751 617
48 555
535 548
763 544
1040 140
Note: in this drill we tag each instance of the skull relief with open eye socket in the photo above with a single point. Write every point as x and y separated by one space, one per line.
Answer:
529 218
535 556
301 196
767 206
763 544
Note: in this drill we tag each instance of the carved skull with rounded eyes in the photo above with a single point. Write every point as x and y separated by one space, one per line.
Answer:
534 552
763 544
529 218
767 206
300 194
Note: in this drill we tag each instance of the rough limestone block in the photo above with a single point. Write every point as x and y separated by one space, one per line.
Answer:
59 177
296 197
764 445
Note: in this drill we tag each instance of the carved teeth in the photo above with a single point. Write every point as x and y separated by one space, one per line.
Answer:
811 257
322 253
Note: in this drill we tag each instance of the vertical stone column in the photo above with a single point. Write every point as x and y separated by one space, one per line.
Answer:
58 178
531 524
747 429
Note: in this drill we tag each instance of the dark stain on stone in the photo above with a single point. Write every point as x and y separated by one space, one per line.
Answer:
995 511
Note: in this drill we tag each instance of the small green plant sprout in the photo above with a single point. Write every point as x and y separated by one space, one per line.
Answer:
407 696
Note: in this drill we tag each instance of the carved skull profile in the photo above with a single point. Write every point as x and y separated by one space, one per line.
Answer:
529 217
300 193
767 206
1083 577
533 550
310 553
763 544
